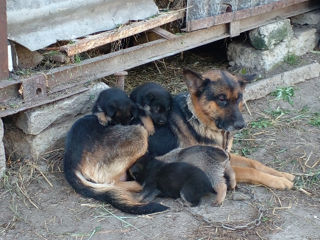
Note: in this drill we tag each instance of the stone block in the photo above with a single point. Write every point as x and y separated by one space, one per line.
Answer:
268 36
23 146
2 153
302 41
246 56
36 120
305 39
263 87
39 130
310 18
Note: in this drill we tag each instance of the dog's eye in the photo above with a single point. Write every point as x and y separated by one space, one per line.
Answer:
239 97
222 99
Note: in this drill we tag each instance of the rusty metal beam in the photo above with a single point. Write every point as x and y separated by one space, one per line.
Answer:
100 39
163 33
241 14
74 76
4 72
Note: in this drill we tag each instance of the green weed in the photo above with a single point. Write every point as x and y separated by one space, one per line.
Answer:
315 120
286 94
278 112
292 59
77 59
261 123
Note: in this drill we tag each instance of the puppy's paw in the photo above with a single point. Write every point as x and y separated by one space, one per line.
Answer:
102 118
148 125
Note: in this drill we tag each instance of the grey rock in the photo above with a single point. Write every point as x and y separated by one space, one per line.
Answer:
305 39
23 146
310 18
268 36
36 120
246 56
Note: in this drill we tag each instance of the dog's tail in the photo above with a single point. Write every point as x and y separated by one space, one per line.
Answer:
112 194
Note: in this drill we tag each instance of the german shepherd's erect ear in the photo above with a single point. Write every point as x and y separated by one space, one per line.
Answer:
247 78
194 81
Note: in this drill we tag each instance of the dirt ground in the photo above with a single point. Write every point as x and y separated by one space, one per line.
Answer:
37 203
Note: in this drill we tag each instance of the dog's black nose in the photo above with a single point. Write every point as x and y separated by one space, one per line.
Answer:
239 125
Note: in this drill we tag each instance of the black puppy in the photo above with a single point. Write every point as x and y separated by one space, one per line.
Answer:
155 100
176 179
113 106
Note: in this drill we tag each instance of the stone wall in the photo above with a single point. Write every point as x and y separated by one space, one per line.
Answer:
270 45
38 130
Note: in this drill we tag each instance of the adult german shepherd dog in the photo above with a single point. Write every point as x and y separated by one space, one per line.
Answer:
207 115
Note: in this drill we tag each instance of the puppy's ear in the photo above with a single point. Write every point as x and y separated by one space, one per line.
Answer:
134 110
193 80
110 110
219 154
244 79
148 99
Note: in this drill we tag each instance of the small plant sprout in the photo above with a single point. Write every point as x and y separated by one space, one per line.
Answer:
285 93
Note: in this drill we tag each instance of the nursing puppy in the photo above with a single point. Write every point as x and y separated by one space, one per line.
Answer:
189 173
99 149
154 100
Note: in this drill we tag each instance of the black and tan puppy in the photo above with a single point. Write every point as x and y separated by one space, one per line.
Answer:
113 106
189 173
174 180
96 160
155 100
99 149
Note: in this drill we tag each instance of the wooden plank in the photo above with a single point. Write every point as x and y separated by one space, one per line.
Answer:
100 39
4 72
163 33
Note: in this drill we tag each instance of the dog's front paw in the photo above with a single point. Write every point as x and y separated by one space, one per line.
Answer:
282 183
288 176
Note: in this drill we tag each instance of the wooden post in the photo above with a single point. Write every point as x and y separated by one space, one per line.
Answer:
120 79
4 72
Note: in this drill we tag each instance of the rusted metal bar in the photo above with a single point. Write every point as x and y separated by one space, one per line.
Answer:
100 39
77 75
234 29
163 33
4 72
241 14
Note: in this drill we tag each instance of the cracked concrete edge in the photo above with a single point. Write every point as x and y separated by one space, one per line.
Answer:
2 153
265 86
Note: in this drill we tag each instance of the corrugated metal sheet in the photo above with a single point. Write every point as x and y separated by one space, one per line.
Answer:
36 24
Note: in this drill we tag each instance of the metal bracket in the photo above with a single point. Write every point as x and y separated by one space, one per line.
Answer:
34 88
234 29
